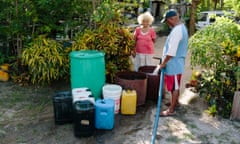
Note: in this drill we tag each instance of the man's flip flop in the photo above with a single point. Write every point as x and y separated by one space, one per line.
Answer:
167 113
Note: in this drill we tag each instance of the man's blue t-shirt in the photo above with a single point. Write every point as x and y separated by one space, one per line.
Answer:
176 46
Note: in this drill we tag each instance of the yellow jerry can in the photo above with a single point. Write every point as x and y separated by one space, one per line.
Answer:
4 67
4 76
129 102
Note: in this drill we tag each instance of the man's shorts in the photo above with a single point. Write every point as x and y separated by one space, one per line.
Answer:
172 82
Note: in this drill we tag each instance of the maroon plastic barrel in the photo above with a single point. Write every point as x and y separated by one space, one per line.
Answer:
153 82
135 81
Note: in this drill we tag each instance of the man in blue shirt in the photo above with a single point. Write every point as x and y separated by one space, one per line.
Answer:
174 54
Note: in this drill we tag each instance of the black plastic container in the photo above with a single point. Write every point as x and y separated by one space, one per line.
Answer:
62 104
83 118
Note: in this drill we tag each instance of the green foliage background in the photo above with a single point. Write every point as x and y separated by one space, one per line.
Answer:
47 60
216 50
109 36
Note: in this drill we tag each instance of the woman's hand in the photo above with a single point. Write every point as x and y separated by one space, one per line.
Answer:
133 53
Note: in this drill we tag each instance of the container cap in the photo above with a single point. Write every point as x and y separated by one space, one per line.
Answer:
86 54
106 102
84 105
63 95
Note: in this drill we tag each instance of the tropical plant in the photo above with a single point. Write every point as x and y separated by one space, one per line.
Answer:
45 60
216 49
21 21
110 37
234 5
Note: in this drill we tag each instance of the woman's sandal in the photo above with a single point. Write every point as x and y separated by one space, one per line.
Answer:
167 113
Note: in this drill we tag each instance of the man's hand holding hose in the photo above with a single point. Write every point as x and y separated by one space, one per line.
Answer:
162 65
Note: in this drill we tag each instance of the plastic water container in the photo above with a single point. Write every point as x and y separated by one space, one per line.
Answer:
129 102
87 69
104 114
4 76
82 94
114 92
83 118
153 81
135 81
4 67
76 91
62 104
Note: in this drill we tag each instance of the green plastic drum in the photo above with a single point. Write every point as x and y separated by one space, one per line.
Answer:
87 69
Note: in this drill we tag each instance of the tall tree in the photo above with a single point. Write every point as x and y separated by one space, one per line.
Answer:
193 16
215 2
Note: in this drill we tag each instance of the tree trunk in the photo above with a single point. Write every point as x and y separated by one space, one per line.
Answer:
236 107
193 17
238 78
221 4
19 36
95 3
208 4
215 5
216 2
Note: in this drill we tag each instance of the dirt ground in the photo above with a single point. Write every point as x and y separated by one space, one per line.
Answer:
26 117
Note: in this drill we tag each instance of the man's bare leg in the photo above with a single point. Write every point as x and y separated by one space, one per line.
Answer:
174 100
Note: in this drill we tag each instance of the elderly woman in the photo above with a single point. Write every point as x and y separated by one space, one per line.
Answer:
145 37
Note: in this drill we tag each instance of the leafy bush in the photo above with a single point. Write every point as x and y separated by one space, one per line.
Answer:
216 49
110 37
45 60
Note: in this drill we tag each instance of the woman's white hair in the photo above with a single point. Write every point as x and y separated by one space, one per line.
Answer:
145 16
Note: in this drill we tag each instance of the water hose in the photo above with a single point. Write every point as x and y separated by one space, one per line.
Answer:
158 107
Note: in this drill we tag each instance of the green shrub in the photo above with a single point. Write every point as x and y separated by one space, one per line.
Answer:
45 60
216 50
110 37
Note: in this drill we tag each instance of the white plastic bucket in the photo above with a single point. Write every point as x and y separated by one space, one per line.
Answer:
114 92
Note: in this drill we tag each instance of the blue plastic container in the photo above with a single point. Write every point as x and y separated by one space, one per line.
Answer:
104 114
87 69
